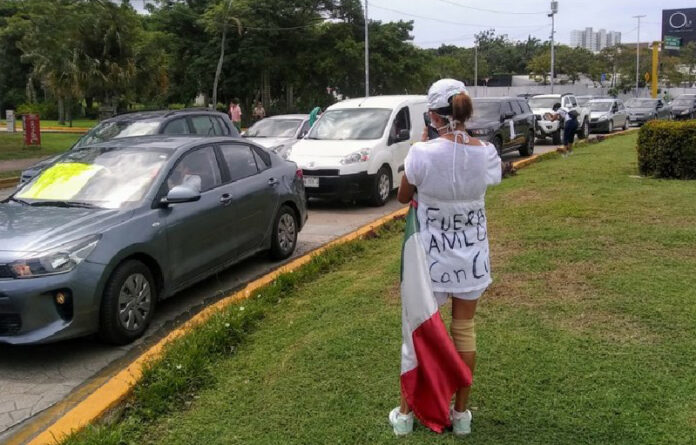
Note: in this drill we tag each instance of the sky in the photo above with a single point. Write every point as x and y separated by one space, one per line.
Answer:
454 22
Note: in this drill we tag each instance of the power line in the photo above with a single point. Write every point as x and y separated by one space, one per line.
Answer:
408 14
490 10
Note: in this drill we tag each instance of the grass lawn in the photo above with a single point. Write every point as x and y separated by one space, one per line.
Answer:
587 336
10 174
51 144
82 123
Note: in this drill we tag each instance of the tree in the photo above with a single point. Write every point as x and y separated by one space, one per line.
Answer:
217 19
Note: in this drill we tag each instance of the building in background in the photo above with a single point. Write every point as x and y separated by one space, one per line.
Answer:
594 41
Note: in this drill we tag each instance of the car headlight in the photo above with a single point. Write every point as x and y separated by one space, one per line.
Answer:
359 156
685 112
481 131
62 259
281 151
603 117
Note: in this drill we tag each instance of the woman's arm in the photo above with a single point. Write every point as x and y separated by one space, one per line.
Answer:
406 191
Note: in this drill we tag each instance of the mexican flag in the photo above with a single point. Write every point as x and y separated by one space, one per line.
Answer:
431 368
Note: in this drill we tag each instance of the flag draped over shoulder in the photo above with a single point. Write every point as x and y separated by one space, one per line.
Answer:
431 368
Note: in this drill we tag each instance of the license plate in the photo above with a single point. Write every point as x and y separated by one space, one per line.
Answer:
310 181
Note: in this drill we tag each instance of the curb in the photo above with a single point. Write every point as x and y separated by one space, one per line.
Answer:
116 388
9 182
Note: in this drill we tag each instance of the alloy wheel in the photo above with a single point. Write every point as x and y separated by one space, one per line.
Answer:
134 302
383 187
286 231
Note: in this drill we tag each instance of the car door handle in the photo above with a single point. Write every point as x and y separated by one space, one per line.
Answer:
226 198
273 182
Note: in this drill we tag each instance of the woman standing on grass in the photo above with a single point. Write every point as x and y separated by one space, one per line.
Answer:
446 179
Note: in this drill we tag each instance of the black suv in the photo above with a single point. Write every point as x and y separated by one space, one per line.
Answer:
192 121
506 122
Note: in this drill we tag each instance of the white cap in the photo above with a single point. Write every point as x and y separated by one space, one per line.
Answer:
441 91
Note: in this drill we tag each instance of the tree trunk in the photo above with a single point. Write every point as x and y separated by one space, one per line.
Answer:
68 111
266 88
289 98
61 111
219 66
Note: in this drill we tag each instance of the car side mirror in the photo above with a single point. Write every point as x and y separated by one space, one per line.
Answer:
505 116
537 117
180 194
404 135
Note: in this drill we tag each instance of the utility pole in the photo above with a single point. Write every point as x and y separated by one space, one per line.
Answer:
367 54
638 52
476 69
554 10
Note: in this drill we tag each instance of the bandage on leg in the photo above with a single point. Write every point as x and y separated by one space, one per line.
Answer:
463 334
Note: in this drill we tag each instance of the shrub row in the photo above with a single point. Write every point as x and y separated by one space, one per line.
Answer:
668 149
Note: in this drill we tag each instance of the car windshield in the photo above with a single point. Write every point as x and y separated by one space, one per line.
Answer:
600 106
486 110
106 131
582 101
274 128
683 102
351 124
544 102
640 103
96 177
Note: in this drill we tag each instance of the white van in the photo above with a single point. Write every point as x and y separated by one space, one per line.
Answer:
356 150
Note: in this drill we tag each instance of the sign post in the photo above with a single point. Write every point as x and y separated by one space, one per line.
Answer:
32 130
653 77
10 120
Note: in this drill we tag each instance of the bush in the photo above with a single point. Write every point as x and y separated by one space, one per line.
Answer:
668 149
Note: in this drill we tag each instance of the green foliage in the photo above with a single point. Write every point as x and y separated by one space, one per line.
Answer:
668 149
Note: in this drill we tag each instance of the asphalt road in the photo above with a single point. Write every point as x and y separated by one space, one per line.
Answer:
35 378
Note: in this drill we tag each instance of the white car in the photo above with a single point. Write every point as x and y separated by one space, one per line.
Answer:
356 150
279 133
543 104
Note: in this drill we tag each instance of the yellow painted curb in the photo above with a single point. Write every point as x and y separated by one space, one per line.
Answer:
9 182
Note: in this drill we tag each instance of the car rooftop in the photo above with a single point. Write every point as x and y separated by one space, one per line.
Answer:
378 102
604 99
160 141
498 98
154 114
289 116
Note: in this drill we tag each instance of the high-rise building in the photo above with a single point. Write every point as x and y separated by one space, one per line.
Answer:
594 41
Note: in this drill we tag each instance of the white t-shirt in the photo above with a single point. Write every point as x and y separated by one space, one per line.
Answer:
451 182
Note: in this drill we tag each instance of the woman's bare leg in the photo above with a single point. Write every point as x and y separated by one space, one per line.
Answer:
464 310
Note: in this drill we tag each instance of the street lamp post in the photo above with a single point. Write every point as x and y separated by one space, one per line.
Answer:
476 69
638 52
554 10
367 54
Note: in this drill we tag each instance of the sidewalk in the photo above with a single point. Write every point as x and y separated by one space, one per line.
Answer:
18 164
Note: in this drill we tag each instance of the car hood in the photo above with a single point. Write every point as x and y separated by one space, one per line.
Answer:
542 111
639 110
271 142
27 229
597 114
312 148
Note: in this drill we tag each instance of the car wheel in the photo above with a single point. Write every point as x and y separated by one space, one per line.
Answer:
381 188
625 125
556 137
610 127
127 304
284 237
585 132
528 148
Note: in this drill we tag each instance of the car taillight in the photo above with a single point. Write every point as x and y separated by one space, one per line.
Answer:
299 174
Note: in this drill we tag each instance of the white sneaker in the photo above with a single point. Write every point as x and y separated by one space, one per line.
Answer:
402 423
461 422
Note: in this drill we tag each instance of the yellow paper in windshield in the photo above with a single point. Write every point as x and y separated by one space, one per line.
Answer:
61 182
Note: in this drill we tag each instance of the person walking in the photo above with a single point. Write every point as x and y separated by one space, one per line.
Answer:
235 112
258 112
445 180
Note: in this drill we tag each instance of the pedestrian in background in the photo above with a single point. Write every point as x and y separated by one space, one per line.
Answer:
569 130
259 112
236 113
314 115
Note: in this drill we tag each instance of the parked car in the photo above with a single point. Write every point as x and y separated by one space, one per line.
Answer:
543 104
507 122
279 133
684 107
356 150
582 100
641 110
607 115
97 238
192 121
